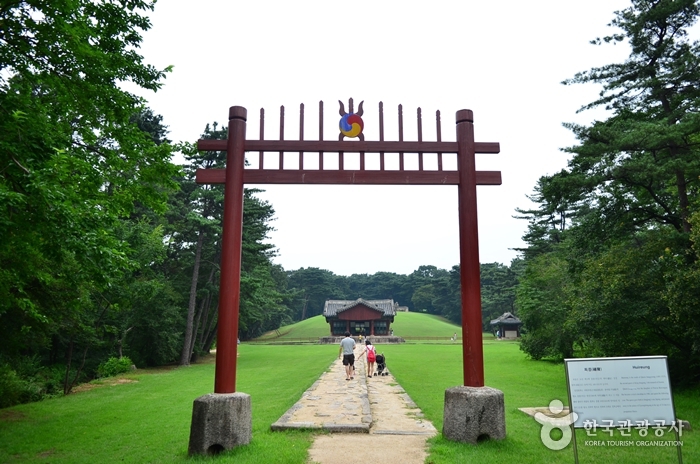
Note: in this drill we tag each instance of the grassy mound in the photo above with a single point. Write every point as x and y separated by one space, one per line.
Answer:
415 325
313 327
407 325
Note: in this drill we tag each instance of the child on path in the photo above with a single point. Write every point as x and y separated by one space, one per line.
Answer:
371 357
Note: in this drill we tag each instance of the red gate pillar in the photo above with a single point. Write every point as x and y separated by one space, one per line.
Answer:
231 254
470 278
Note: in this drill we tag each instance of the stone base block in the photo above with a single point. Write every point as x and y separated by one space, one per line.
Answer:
473 414
220 421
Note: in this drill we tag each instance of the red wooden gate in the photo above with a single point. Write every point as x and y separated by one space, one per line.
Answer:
236 175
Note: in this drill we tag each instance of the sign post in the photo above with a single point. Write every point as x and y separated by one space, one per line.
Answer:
621 393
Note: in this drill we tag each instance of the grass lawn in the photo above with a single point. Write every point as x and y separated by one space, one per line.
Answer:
426 371
148 420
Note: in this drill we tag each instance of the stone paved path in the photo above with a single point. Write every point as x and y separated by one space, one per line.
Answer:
369 419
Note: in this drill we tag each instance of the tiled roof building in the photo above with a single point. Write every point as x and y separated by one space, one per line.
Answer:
507 325
366 317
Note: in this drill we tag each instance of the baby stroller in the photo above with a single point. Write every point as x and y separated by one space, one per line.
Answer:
381 365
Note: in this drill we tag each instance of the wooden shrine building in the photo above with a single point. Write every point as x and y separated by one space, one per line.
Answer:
507 326
360 317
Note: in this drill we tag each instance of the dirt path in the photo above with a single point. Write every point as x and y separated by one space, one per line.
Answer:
369 419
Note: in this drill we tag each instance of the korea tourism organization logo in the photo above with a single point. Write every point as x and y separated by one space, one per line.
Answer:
600 431
549 424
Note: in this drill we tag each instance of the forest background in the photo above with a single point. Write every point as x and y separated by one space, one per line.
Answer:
110 252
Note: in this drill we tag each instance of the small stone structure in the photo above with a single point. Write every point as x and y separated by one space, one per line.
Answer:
220 421
473 414
400 309
507 325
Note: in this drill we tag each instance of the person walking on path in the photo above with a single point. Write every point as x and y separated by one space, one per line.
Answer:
347 352
371 357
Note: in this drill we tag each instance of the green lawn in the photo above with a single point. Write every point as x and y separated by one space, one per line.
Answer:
426 371
148 420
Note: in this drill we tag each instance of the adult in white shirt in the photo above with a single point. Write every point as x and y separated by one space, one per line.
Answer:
347 352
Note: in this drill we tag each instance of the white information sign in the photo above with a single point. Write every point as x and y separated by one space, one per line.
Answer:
627 390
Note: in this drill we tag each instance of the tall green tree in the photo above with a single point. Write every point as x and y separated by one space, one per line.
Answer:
264 298
313 287
380 285
426 287
197 218
146 323
195 233
547 224
498 284
73 165
629 193
640 166
447 299
543 301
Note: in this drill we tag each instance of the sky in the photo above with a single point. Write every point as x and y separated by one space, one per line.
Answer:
503 60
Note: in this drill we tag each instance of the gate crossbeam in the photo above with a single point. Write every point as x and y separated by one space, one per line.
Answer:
345 176
350 146
359 177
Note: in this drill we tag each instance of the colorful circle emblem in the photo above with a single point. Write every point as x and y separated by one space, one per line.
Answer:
351 125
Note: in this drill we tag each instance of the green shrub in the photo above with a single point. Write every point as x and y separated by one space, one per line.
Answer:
10 386
114 366
47 379
53 378
16 390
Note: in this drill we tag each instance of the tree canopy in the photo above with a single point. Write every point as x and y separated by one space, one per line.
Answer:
611 245
76 162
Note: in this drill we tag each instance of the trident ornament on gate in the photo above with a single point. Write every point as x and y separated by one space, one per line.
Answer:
351 124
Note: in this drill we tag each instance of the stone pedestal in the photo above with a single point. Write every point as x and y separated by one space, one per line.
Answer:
473 414
220 421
